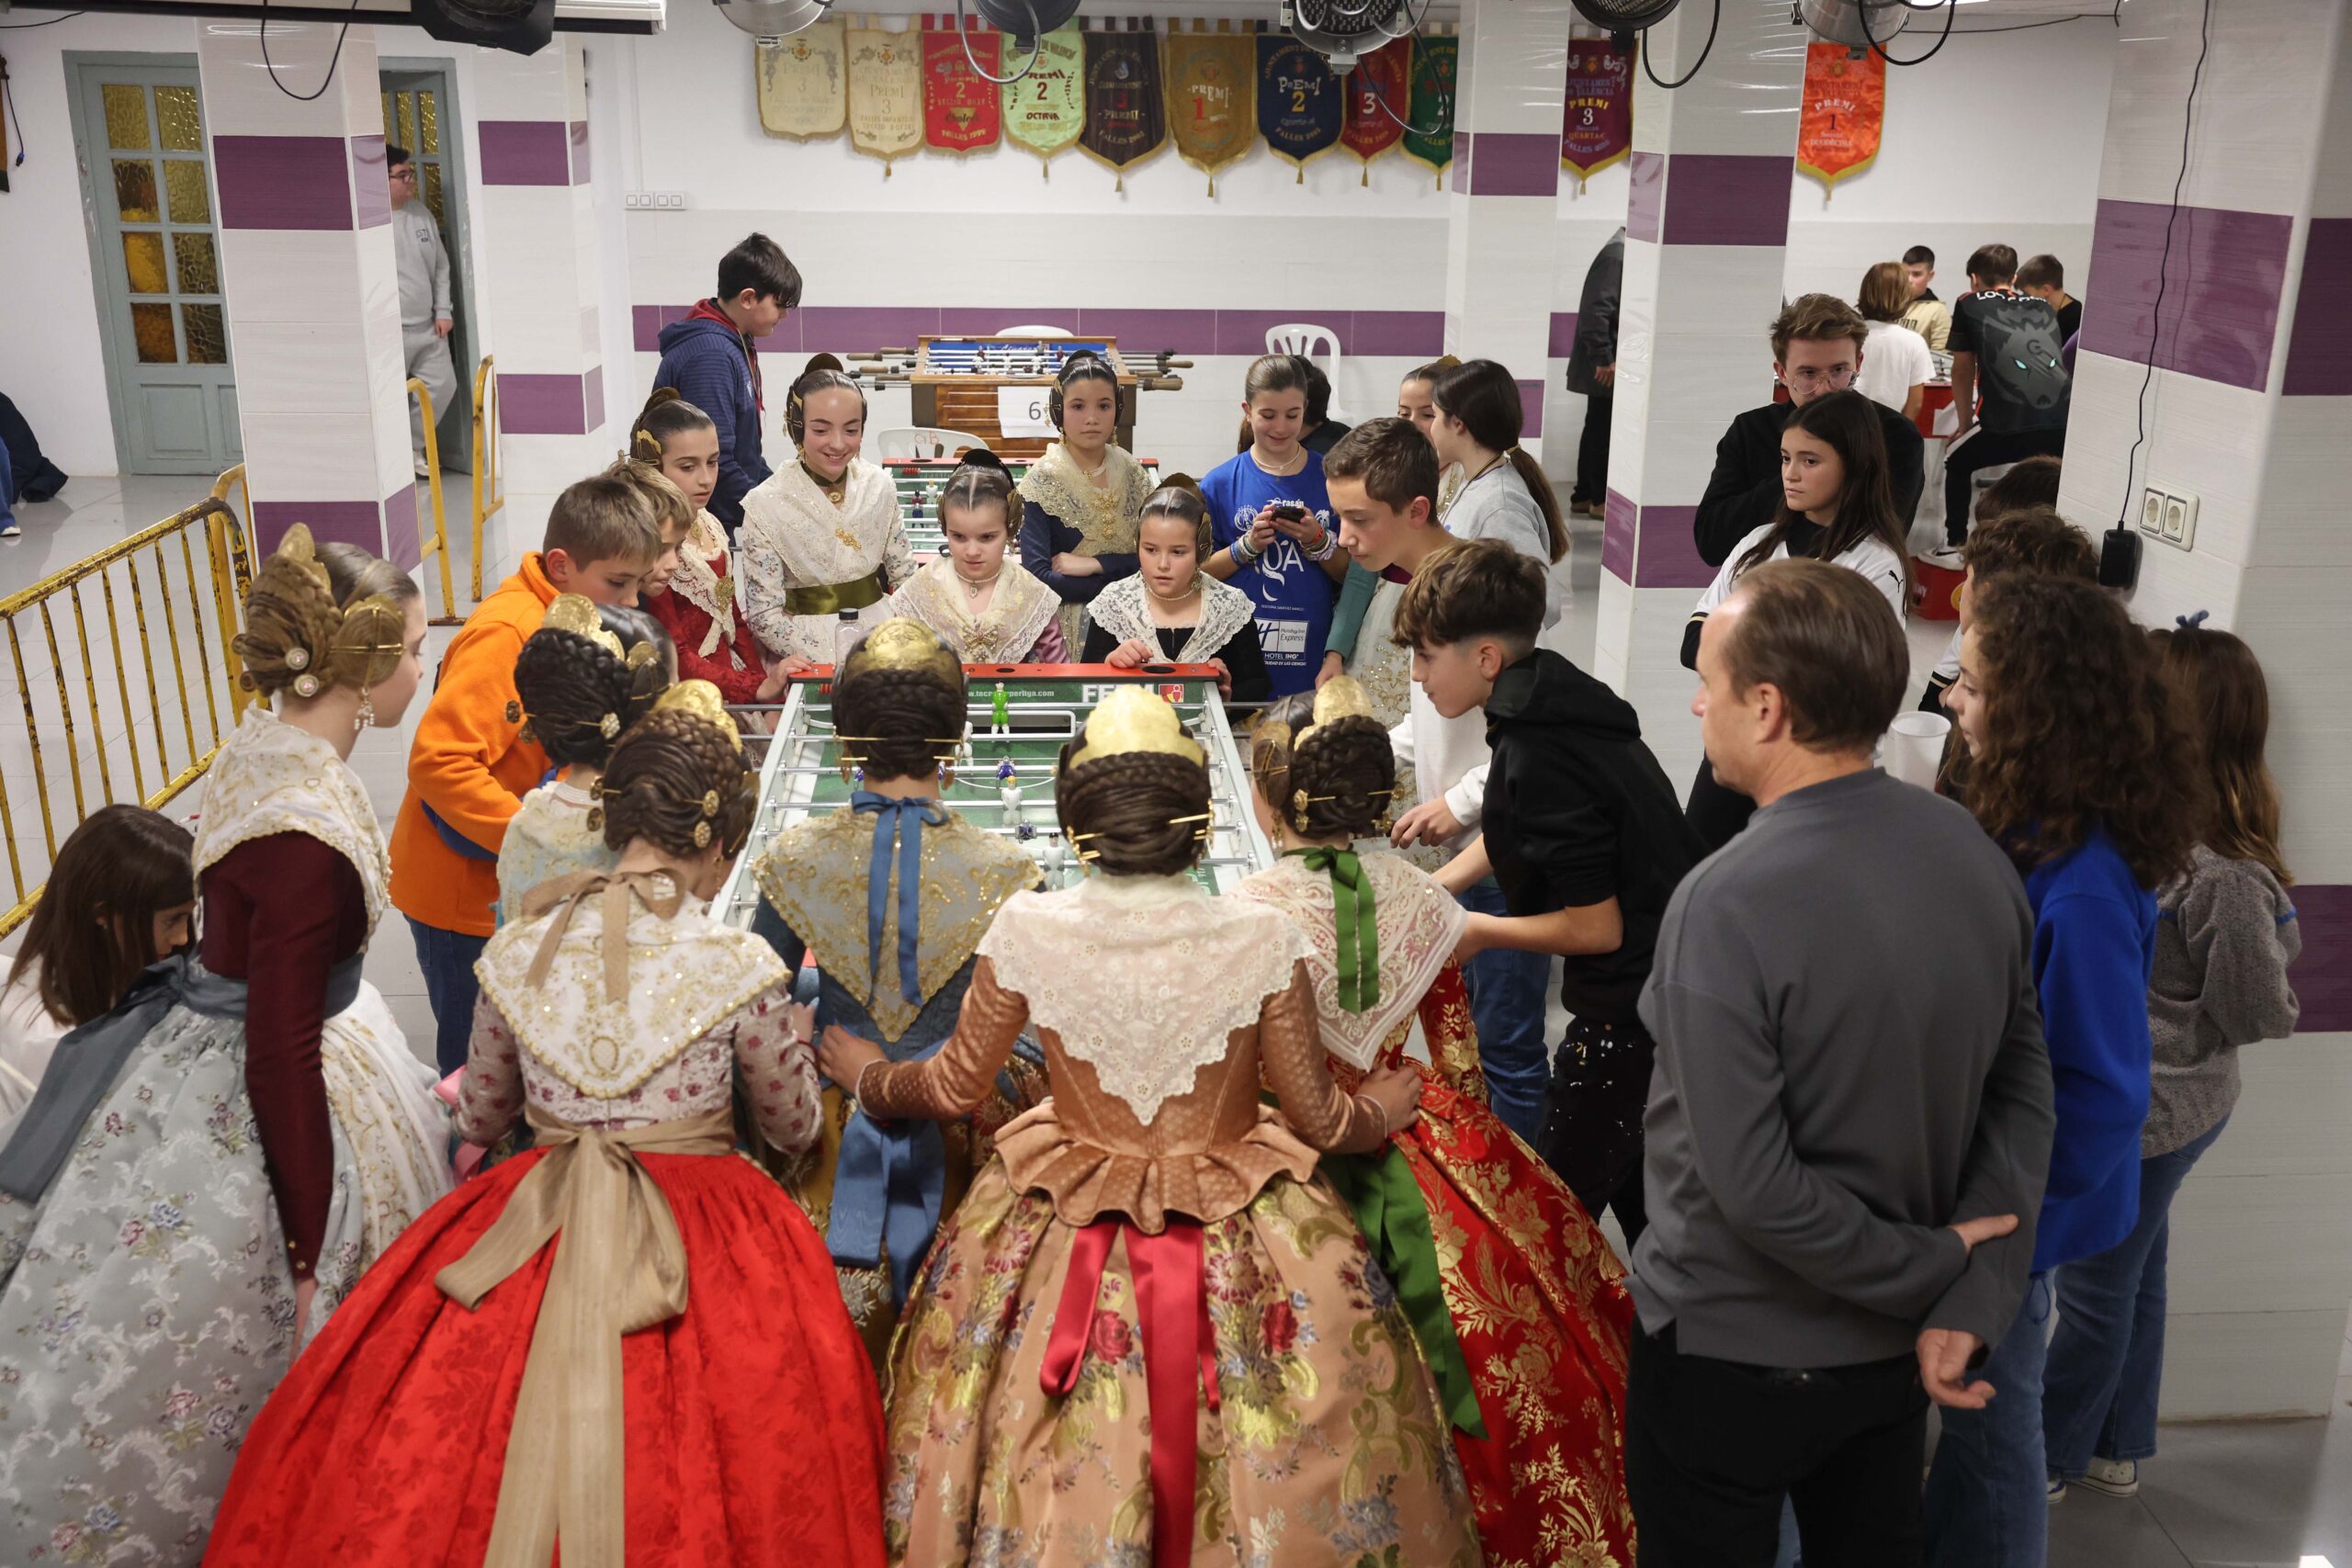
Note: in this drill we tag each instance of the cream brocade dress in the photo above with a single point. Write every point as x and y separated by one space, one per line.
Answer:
1020 609
547 838
793 536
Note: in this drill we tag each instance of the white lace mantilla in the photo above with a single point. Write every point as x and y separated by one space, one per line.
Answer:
1418 925
270 777
687 974
1142 977
821 544
1121 610
700 582
1105 517
1019 611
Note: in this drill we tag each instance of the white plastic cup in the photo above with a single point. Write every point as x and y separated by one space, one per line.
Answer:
1914 747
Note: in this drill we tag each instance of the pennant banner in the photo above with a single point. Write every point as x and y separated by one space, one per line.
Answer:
1046 111
885 93
1126 114
1300 103
1380 101
803 93
1598 122
1212 102
961 112
1430 140
1845 109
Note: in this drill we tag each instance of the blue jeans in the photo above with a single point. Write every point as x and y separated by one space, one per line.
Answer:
447 960
2107 1360
1988 1502
1507 1007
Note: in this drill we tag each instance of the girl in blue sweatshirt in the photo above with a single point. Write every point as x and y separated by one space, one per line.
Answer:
2082 772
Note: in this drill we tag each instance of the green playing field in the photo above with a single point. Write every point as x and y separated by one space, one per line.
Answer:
801 771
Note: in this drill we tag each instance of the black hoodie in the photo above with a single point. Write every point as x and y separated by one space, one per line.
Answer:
1579 812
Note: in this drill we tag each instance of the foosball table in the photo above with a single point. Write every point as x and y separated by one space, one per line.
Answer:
956 383
919 482
1019 717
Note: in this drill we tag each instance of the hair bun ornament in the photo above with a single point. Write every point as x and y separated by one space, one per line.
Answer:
901 643
2190 622
1133 718
701 699
572 613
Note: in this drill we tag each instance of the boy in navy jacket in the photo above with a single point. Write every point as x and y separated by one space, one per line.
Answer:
712 359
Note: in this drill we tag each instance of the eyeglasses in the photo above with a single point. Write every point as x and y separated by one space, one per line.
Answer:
405 172
1835 377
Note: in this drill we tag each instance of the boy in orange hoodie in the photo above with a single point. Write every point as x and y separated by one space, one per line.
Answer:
469 766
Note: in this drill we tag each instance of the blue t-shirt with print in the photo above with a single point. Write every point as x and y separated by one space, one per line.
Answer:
1294 596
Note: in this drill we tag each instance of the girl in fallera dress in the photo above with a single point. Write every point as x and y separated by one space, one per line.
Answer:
1271 519
893 894
1520 1310
219 1159
986 608
625 1340
1080 500
1151 1333
821 534
1171 610
586 675
121 895
698 604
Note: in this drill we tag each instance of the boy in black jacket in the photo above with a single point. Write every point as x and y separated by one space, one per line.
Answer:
1582 831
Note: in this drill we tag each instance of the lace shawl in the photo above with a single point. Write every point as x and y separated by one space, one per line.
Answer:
1142 978
1018 612
273 778
1105 518
818 542
1224 610
1420 924
705 581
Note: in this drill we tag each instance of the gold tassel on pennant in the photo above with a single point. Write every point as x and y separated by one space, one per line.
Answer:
1302 175
1366 181
1212 185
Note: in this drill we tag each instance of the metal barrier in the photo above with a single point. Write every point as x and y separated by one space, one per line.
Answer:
86 736
485 458
438 545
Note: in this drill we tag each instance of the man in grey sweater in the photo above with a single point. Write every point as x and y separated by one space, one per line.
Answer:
420 260
1851 1112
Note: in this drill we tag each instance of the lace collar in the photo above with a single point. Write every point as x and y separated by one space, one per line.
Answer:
1120 610
1105 518
1143 978
270 777
820 542
705 581
1018 612
1420 924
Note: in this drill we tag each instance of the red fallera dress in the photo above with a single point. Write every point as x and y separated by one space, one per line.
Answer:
698 610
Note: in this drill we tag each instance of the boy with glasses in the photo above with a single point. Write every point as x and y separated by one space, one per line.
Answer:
423 259
1816 348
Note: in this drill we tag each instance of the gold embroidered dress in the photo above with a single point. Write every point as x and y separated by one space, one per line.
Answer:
805 559
549 837
1065 513
1021 611
1513 1291
1151 1333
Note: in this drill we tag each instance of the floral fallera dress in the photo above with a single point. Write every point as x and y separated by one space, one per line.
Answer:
1148 1293
147 1300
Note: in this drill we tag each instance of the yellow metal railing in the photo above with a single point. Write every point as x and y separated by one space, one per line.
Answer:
438 544
488 496
92 736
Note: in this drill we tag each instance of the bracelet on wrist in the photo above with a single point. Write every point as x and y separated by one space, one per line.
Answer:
1241 551
1330 548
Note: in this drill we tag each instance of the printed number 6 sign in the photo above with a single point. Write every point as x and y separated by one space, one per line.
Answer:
1021 410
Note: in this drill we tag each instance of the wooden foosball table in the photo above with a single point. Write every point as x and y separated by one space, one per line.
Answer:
958 384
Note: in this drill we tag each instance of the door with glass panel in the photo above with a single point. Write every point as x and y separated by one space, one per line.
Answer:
421 113
147 186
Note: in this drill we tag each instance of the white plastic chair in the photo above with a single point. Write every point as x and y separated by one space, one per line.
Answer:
1309 341
1036 332
922 441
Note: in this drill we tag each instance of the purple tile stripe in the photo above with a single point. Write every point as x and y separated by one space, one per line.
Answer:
580 152
1651 547
1726 199
592 397
359 522
2322 975
1645 196
525 153
403 535
285 182
371 196
1618 516
1512 163
2319 346
543 404
1530 408
2221 289
1141 332
1563 340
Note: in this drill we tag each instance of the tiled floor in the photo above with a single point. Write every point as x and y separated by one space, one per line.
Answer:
2278 1495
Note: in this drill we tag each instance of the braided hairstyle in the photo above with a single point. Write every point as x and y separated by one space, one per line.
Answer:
822 372
581 698
982 479
1345 767
908 711
1179 496
680 782
1083 366
321 616
666 414
1123 808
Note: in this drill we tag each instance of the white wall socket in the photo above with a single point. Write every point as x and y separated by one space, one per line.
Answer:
654 201
2169 517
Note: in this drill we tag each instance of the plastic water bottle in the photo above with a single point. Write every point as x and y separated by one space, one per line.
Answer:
846 632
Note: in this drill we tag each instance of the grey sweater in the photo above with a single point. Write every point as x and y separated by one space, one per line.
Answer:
2226 934
1850 1060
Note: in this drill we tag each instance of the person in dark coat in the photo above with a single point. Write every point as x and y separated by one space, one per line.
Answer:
712 359
1592 371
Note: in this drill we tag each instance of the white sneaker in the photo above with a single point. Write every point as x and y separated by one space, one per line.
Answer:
2057 1490
422 471
2116 1477
9 530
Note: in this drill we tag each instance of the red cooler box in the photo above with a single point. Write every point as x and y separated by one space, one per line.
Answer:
1935 590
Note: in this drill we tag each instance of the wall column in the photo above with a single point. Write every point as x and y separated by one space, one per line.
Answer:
541 280
1706 230
313 306
1500 223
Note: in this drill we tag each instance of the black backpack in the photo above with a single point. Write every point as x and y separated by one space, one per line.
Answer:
2026 387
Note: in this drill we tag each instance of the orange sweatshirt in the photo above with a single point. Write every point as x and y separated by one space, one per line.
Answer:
469 763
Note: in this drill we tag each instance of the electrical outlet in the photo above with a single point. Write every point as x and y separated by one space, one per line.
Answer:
2180 519
654 200
2152 512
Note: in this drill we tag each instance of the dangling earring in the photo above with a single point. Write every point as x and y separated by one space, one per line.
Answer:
367 714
